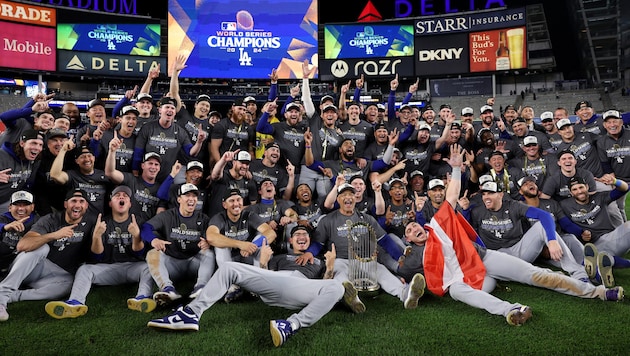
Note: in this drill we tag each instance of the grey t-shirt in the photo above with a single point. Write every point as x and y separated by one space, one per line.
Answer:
502 228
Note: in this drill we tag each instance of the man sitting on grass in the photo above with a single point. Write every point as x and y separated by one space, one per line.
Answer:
315 297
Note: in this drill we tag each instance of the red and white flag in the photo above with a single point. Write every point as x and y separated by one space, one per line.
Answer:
449 254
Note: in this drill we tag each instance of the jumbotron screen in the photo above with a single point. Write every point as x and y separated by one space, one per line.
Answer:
132 39
367 40
243 39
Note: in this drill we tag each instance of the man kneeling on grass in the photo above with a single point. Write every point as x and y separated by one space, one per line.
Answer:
452 262
315 297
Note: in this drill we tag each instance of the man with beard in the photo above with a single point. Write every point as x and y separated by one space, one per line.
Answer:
583 145
165 138
14 224
509 115
126 133
48 194
268 168
397 212
564 226
117 257
168 190
499 225
426 208
287 134
599 235
521 130
357 130
232 134
487 121
346 165
557 187
71 110
534 163
428 115
198 121
143 188
19 162
49 254
93 181
237 177
548 121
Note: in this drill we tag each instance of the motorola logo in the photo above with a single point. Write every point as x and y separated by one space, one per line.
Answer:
339 69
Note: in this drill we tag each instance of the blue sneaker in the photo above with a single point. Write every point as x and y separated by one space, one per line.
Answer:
281 330
142 303
196 291
614 294
182 319
590 261
166 296
68 309
605 264
517 316
233 293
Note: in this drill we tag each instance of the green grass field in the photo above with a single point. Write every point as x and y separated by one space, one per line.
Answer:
561 325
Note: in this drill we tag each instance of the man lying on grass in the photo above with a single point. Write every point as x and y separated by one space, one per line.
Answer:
454 263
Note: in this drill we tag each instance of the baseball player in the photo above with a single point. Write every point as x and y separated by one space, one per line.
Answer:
498 223
315 297
438 250
13 225
588 211
57 244
334 229
117 256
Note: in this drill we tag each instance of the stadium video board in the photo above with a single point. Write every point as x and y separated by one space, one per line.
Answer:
243 39
367 40
127 38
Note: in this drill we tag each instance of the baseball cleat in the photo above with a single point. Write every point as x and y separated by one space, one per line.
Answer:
280 330
233 293
415 292
351 298
519 315
590 261
605 264
182 319
141 303
166 296
614 294
68 309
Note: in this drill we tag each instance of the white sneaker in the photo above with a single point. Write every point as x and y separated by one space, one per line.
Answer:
4 316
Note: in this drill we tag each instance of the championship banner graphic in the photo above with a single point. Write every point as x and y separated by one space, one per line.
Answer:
132 39
243 39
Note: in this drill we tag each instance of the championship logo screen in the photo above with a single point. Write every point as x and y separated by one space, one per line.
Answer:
133 39
370 40
243 39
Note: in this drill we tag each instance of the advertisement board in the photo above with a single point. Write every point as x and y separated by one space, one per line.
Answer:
28 14
367 40
461 86
86 63
27 47
243 39
352 68
502 49
133 39
447 54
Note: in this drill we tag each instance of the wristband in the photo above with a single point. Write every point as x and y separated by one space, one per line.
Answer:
307 146
618 183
